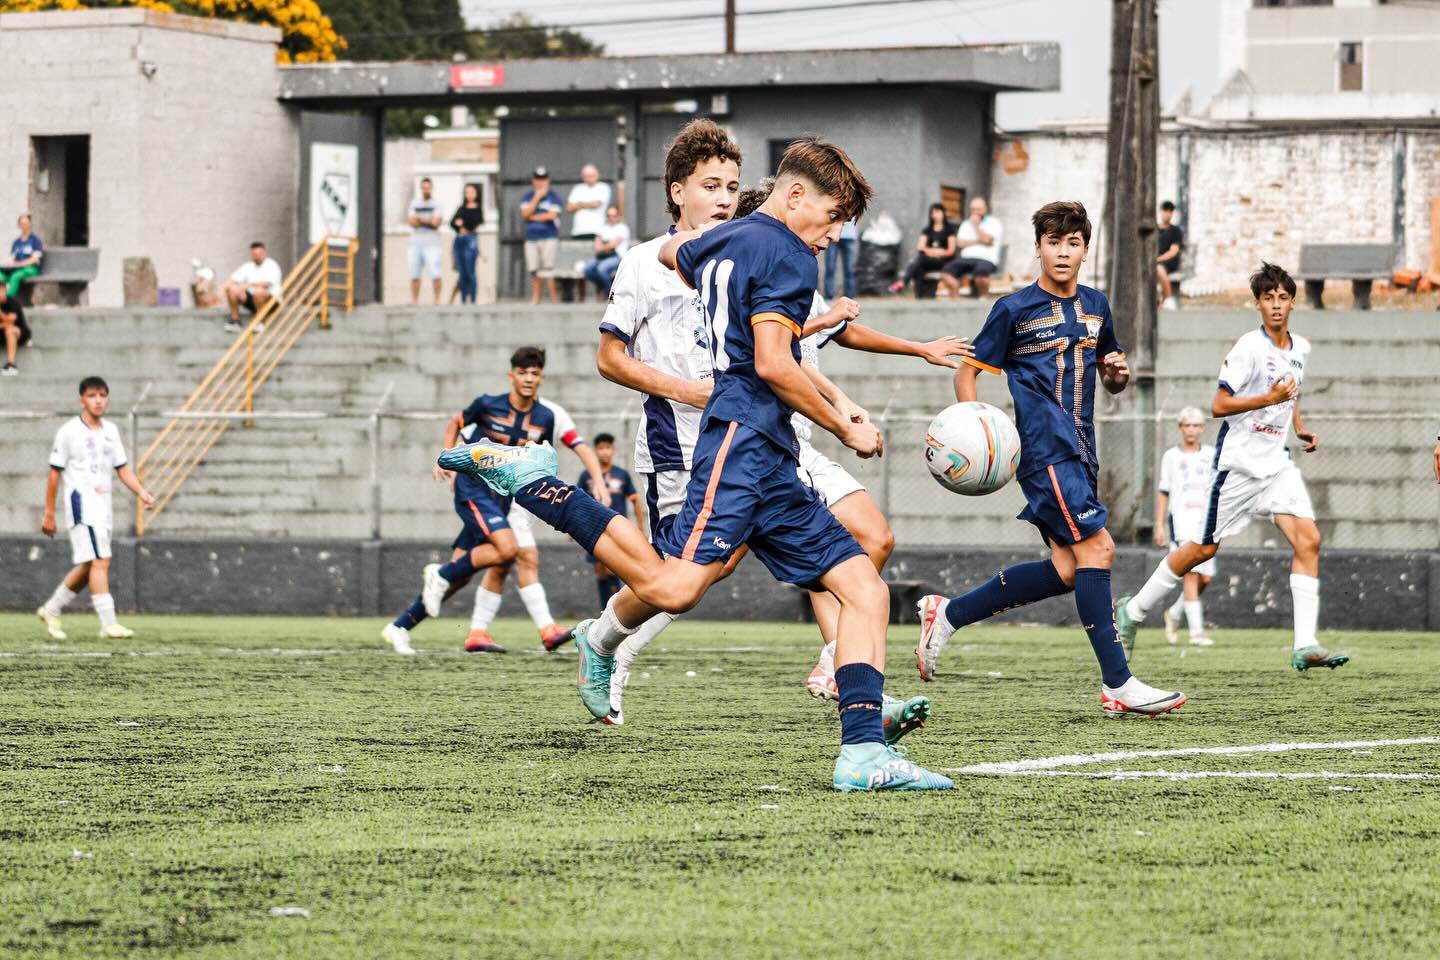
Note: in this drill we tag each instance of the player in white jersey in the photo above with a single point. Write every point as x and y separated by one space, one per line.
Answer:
87 451
1181 499
1259 397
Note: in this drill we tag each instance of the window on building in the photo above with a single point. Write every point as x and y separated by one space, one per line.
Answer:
953 199
1352 66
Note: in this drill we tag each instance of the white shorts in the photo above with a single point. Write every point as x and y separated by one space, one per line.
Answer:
89 543
521 521
1240 497
826 477
1188 526
424 258
664 495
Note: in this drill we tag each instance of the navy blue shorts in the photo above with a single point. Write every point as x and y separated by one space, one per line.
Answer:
481 515
1063 502
745 490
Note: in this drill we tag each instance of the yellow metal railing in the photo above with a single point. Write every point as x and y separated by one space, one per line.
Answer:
323 279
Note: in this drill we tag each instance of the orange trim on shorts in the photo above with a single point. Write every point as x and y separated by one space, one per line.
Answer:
1055 482
478 519
693 543
979 365
771 317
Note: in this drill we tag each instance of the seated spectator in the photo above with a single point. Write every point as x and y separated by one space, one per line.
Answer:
934 249
25 255
610 245
979 240
14 329
254 283
540 210
1172 244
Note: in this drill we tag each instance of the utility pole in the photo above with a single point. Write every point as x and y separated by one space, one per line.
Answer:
729 26
1128 235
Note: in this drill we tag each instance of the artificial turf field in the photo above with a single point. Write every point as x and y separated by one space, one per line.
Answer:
190 792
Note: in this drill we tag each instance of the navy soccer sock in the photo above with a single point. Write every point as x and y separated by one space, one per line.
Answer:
555 502
458 570
413 614
1097 616
1012 587
861 689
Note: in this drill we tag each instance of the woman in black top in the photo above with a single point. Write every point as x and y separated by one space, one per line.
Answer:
466 248
934 249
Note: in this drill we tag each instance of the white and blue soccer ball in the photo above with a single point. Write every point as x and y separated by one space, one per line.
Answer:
972 448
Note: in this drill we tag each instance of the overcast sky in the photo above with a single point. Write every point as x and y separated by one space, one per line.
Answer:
1189 32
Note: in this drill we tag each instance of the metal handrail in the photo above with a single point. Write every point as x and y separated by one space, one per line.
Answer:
227 393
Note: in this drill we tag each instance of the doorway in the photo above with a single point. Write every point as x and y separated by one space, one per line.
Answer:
60 189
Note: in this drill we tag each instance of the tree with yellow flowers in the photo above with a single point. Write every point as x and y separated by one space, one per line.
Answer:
309 36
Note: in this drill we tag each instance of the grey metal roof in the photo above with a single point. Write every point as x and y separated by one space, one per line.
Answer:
997 67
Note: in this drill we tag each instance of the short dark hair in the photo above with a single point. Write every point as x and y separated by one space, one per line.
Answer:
751 198
697 141
93 383
831 169
257 243
1061 218
1268 278
527 357
604 438
427 180
1167 206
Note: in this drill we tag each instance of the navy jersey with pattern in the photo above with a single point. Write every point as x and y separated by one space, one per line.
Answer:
621 487
1049 348
494 415
750 271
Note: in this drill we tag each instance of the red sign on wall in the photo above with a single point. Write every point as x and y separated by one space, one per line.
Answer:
477 76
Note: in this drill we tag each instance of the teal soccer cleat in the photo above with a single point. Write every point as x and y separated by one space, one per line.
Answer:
1317 656
593 677
902 716
877 766
503 468
1125 628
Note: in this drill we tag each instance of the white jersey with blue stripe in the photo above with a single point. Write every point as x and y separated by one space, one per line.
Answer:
662 323
1253 442
87 460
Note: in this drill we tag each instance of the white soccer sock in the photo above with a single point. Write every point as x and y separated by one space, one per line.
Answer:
58 599
607 632
536 605
1176 608
1156 589
487 605
1305 593
647 631
104 608
827 658
1195 617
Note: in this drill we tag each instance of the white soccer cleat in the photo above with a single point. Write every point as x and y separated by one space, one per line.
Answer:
114 631
1172 628
821 684
619 680
1200 640
933 634
399 639
432 594
1136 697
52 624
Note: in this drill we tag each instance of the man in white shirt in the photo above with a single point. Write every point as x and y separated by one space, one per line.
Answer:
87 450
254 283
1259 397
610 245
586 204
424 218
979 239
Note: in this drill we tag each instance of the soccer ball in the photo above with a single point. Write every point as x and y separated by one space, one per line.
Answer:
972 448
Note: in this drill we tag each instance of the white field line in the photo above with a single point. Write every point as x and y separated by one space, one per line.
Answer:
1222 774
1016 767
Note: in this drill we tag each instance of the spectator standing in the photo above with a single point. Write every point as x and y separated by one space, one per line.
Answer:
14 329
587 203
933 250
1172 243
540 210
425 219
845 248
979 240
465 250
254 283
25 255
610 245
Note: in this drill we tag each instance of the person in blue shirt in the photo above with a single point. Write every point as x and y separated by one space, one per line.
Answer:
756 277
540 209
26 253
622 492
1053 340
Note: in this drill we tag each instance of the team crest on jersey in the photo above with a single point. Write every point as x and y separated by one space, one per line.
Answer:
1092 327
701 339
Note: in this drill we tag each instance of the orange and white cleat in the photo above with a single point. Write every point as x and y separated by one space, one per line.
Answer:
821 684
480 641
1138 698
554 636
935 632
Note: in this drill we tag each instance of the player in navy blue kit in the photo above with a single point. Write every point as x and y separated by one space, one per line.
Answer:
1051 339
486 538
756 277
622 492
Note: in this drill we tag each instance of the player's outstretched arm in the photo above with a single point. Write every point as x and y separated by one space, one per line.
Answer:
775 365
844 309
52 486
617 366
1307 437
127 477
939 352
833 395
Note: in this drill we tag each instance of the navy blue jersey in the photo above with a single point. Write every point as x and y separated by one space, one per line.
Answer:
1049 350
493 415
752 270
622 488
